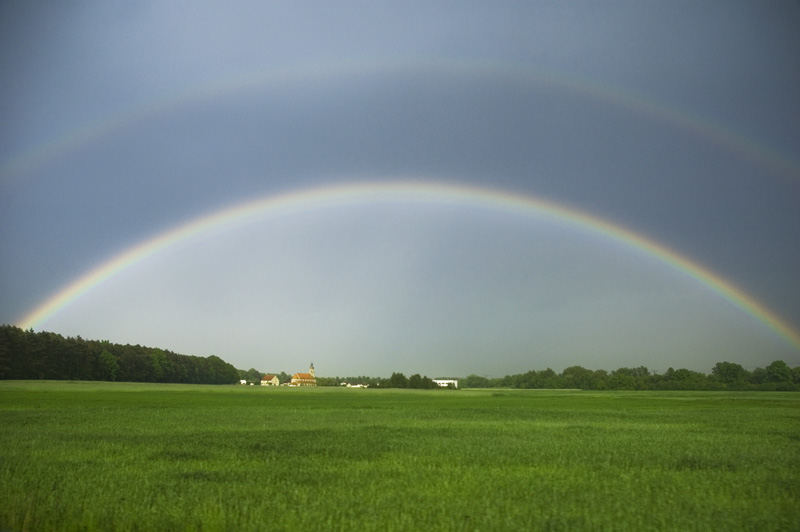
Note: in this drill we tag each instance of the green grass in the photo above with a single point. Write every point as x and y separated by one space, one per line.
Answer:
104 456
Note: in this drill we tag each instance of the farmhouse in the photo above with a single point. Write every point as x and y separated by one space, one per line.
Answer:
269 380
304 379
444 383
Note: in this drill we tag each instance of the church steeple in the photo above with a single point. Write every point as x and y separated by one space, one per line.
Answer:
311 370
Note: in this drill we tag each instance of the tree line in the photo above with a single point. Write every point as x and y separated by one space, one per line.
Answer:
397 380
777 376
47 355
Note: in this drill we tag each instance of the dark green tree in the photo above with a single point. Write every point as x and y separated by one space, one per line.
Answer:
474 381
253 375
398 380
160 364
758 376
682 379
779 376
579 377
109 366
621 379
732 375
778 371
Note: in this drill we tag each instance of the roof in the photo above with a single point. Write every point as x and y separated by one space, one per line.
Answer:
267 377
303 376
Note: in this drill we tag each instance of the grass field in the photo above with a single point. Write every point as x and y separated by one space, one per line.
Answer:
104 456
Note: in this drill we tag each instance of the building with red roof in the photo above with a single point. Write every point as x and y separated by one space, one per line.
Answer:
270 380
305 379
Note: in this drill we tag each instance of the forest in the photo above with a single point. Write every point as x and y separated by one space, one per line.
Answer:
46 355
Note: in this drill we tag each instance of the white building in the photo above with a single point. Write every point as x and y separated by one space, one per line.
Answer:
269 380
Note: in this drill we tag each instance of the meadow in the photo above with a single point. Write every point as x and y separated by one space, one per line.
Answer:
128 456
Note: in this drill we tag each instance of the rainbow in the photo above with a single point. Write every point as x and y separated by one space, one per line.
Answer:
778 164
342 195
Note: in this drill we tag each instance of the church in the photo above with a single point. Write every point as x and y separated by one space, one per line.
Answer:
304 379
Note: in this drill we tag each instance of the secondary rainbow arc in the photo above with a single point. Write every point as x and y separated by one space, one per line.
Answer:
778 163
411 191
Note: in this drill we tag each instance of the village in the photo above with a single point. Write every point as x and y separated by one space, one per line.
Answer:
310 379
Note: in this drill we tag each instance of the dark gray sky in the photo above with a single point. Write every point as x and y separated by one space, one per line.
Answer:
675 120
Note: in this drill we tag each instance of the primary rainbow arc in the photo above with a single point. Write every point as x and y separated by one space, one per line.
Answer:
410 191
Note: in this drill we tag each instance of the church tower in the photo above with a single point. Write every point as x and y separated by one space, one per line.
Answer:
311 371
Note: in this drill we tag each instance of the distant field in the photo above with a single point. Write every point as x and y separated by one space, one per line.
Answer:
105 456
